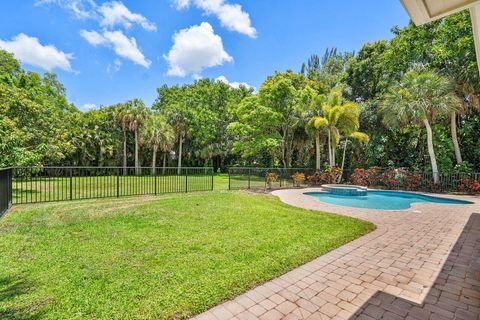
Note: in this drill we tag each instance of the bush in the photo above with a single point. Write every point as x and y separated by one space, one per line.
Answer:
413 181
435 187
463 167
328 176
298 178
270 178
374 176
469 186
315 178
394 178
359 177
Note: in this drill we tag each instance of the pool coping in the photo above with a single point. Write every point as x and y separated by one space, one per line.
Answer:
412 206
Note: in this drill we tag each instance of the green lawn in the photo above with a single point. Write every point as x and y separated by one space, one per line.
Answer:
48 189
164 257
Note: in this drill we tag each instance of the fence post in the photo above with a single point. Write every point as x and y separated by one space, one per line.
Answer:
118 183
10 188
155 181
212 178
71 183
186 180
248 178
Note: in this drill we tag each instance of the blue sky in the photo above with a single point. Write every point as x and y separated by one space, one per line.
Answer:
106 52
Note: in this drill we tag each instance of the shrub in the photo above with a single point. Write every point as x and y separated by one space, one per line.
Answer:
328 176
394 178
298 178
463 167
469 186
374 176
331 175
435 187
413 181
270 178
359 177
315 178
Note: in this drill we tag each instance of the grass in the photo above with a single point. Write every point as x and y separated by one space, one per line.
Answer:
166 257
48 189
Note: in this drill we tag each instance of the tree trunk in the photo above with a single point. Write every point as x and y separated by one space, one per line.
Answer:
343 160
284 160
164 162
334 160
329 149
456 145
180 146
154 158
137 167
431 152
317 152
124 152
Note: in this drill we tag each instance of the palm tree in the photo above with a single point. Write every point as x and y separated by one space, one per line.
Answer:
157 133
342 120
137 118
418 99
453 129
178 122
124 116
317 124
357 136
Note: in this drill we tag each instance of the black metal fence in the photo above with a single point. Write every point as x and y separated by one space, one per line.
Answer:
383 178
5 190
47 184
267 178
404 179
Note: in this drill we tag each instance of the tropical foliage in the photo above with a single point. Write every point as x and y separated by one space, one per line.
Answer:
412 101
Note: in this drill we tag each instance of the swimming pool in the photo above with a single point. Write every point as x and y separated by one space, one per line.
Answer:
385 200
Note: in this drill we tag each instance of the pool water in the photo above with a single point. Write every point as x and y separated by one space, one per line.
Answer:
386 200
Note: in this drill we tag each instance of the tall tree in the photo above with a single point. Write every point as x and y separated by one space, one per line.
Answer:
157 133
138 114
171 102
342 119
281 93
124 115
256 130
316 124
418 99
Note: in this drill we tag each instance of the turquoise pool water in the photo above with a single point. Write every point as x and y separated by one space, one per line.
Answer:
386 200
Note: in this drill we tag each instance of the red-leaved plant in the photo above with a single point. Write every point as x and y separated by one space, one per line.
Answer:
359 177
413 181
469 185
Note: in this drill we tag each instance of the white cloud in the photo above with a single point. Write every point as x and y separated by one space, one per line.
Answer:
195 49
122 45
30 51
82 9
93 37
234 84
109 14
182 4
116 13
115 66
231 16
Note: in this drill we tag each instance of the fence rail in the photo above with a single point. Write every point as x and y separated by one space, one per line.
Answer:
48 184
5 190
385 178
255 178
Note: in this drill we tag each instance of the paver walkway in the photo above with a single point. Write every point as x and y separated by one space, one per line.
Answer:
398 271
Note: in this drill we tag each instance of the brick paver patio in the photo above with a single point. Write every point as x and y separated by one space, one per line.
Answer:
421 263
